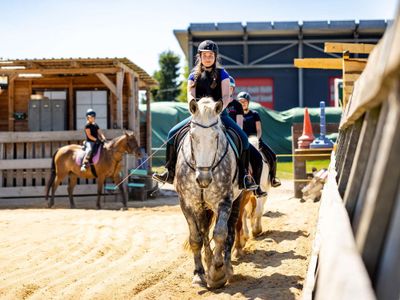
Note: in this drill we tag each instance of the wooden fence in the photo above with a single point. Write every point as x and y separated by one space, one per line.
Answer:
25 161
357 246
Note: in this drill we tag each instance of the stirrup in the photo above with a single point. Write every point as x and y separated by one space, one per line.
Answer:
163 178
248 183
83 168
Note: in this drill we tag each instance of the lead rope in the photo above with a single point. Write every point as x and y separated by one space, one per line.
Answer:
150 156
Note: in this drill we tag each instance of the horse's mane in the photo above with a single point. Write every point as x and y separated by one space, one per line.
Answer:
112 143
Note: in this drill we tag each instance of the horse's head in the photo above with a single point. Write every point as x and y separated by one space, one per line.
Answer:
132 146
204 133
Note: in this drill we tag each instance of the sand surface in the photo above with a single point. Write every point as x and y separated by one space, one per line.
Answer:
138 254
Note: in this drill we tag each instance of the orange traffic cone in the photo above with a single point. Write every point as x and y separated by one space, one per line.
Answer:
307 137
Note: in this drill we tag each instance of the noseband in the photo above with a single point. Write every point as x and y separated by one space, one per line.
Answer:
213 165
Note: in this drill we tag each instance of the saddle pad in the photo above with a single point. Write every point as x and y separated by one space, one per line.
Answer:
81 154
234 141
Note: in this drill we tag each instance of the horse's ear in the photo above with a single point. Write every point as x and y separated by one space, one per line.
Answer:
193 107
219 106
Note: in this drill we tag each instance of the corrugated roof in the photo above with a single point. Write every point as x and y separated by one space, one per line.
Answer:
73 63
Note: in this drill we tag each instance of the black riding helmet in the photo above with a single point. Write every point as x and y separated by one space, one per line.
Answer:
207 45
244 95
90 112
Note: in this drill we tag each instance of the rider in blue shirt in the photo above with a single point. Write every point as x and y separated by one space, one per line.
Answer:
209 79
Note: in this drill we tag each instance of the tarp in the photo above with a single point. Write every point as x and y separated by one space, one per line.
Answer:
276 125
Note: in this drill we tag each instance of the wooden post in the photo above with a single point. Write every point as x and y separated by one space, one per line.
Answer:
11 102
1 158
71 109
131 101
149 144
120 84
136 107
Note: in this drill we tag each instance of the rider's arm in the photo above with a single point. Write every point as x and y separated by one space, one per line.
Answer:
259 129
101 134
191 91
91 137
239 121
226 99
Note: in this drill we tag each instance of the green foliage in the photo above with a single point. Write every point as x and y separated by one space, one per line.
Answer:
183 89
167 77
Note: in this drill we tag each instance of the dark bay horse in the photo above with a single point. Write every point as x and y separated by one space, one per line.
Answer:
207 184
108 166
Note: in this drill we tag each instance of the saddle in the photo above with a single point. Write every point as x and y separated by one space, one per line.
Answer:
95 157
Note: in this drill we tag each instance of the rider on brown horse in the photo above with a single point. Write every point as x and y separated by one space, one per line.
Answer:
94 136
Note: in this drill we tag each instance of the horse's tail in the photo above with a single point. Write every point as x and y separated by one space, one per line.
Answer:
52 175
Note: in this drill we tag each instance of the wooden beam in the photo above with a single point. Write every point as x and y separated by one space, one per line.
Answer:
107 82
37 191
50 136
354 65
318 63
61 71
351 47
17 164
119 94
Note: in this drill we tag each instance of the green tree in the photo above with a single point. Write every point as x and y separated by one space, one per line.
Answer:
167 77
183 89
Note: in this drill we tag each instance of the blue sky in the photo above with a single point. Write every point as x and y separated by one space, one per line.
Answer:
141 30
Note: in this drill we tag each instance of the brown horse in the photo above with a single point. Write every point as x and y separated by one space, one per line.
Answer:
108 166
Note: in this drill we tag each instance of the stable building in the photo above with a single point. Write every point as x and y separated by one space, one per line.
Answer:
259 55
42 107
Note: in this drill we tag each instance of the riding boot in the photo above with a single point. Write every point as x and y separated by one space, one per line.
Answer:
275 182
257 171
169 175
85 161
246 182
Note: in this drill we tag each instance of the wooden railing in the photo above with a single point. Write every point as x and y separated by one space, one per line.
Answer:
25 161
358 241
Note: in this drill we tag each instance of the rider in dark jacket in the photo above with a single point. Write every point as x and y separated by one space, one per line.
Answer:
252 126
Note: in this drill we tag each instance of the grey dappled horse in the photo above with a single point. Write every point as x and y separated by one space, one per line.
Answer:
207 185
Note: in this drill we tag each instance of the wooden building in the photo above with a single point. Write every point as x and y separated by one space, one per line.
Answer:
43 104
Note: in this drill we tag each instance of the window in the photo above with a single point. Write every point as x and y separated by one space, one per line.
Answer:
97 100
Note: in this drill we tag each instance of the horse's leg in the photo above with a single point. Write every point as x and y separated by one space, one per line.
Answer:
195 242
71 185
233 218
241 222
256 226
100 185
117 180
59 177
217 273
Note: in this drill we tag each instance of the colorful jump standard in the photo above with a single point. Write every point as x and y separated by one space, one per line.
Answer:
322 141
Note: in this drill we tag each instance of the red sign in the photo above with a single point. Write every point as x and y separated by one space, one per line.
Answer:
261 89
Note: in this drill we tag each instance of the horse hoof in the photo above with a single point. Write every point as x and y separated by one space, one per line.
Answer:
98 207
199 281
123 208
50 205
216 278
72 206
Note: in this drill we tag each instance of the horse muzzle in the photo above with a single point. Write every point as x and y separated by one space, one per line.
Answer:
203 177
